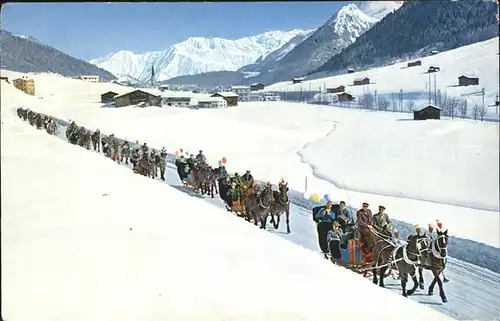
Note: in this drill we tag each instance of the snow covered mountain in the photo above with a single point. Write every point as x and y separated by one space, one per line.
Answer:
337 33
196 55
379 9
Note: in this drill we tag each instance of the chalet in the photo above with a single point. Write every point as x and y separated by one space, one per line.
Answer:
414 63
163 88
361 81
25 84
257 86
176 101
108 97
298 80
271 97
468 81
229 97
427 112
434 52
345 97
89 78
350 71
433 69
212 102
339 89
241 91
136 97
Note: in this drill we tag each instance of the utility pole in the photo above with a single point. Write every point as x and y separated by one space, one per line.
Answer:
435 91
429 86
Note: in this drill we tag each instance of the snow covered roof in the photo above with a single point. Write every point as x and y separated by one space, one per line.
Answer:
240 87
226 94
210 99
299 78
131 91
257 83
468 76
424 107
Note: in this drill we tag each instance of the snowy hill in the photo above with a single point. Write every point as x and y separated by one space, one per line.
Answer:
277 124
196 55
479 59
91 247
379 9
27 54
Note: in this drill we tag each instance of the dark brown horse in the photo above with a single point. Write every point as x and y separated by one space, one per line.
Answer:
407 257
381 251
436 263
281 205
258 205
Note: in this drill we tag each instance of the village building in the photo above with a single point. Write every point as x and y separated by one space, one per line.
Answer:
25 84
257 86
339 89
212 102
468 81
136 97
434 52
241 91
361 81
163 87
271 97
427 112
91 78
176 101
433 69
345 97
414 63
298 80
230 97
350 71
108 97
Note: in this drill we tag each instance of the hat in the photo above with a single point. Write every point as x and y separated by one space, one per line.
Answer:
365 204
381 207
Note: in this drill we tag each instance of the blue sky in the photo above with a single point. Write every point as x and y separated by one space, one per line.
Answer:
92 30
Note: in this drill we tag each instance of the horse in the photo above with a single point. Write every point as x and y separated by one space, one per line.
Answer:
281 205
381 250
436 263
85 140
142 167
20 112
207 178
96 144
407 257
258 206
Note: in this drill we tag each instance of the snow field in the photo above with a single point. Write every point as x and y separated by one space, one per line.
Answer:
478 60
83 238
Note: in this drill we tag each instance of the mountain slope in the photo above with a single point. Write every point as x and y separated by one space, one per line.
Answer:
418 27
337 33
26 54
196 55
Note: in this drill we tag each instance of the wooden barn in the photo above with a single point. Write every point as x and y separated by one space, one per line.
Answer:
433 69
108 97
257 86
345 97
339 89
136 97
229 97
414 63
361 81
298 80
427 112
468 81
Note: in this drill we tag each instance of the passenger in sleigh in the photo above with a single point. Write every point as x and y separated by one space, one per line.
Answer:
234 195
334 238
324 218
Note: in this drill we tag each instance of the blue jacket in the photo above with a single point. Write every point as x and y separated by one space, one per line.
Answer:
347 213
323 216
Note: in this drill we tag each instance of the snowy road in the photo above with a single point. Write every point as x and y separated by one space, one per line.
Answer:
473 293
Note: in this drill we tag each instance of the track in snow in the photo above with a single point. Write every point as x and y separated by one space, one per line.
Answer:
473 292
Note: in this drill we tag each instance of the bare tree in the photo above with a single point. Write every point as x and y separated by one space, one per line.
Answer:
410 104
452 106
463 108
383 103
475 112
482 112
366 100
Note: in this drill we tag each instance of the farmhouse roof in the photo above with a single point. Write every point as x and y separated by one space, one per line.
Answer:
132 91
426 106
226 94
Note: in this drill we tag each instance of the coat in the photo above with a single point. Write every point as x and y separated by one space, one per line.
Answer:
325 216
234 194
380 221
363 219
